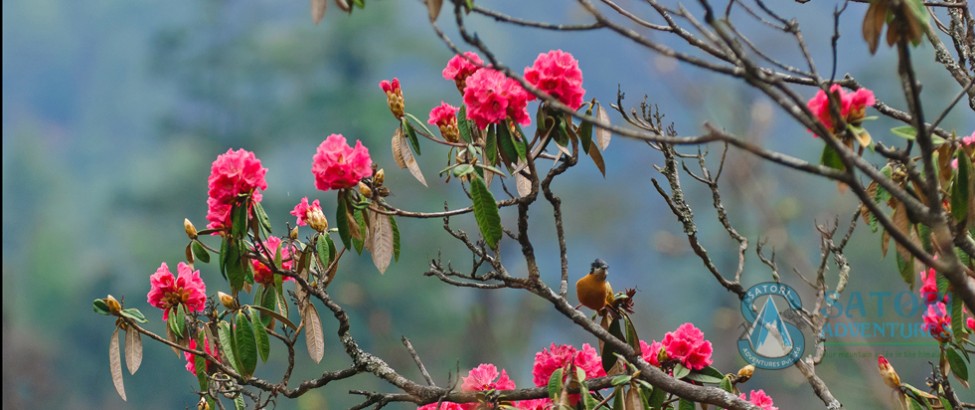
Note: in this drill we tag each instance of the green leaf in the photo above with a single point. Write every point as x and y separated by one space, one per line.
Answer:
200 252
342 221
621 379
332 252
957 318
519 144
322 251
463 124
904 131
958 366
200 362
680 371
906 269
685 405
914 405
419 123
410 134
585 130
260 334
239 403
227 348
631 337
238 227
831 159
507 147
555 385
177 321
262 220
236 271
491 148
924 234
396 247
486 213
609 353
462 169
224 256
134 314
657 398
945 403
726 384
704 378
360 241
268 300
618 398
100 307
246 345
961 194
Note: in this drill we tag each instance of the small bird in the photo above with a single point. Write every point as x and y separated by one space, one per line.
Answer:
593 290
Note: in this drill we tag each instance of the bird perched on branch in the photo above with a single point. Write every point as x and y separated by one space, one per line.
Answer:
593 290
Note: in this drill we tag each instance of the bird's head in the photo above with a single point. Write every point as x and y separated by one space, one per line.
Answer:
599 267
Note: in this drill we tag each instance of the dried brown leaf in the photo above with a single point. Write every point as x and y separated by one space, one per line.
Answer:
318 8
408 158
381 240
597 158
314 336
602 135
133 350
433 7
873 24
115 361
398 148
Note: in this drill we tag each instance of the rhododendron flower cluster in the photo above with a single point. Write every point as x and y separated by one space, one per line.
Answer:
491 97
336 165
232 174
444 116
936 321
262 273
168 291
852 105
557 73
486 377
651 352
310 214
191 358
929 286
760 399
557 356
459 68
687 345
394 97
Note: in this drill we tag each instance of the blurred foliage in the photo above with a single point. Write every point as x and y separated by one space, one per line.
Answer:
113 111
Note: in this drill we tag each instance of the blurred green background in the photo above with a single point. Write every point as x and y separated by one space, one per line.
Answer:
113 111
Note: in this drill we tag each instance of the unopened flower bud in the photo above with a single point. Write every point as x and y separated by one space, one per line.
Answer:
379 177
189 228
316 219
745 373
888 373
365 190
113 305
203 405
226 300
293 234
394 97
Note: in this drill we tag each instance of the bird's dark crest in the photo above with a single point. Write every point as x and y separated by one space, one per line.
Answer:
599 263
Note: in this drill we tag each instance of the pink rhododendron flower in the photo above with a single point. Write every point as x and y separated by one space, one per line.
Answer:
534 404
555 357
444 116
191 359
390 87
557 73
491 97
262 273
485 377
233 173
970 322
936 321
852 106
965 141
168 291
651 352
929 286
447 405
336 165
459 68
687 345
760 399
301 210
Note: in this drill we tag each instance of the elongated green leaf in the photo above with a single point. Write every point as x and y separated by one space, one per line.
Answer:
657 398
410 134
260 334
342 221
322 251
239 402
509 154
396 238
680 371
238 219
631 337
226 336
906 269
621 379
100 307
464 125
554 385
961 194
246 345
359 241
486 213
272 313
200 252
262 220
491 148
224 256
904 131
685 405
957 319
726 384
609 353
704 378
200 363
133 350
585 130
958 366
831 158
115 362
268 301
236 273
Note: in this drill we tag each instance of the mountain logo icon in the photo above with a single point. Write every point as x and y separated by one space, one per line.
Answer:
769 341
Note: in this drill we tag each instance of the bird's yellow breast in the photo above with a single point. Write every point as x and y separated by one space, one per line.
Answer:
594 291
